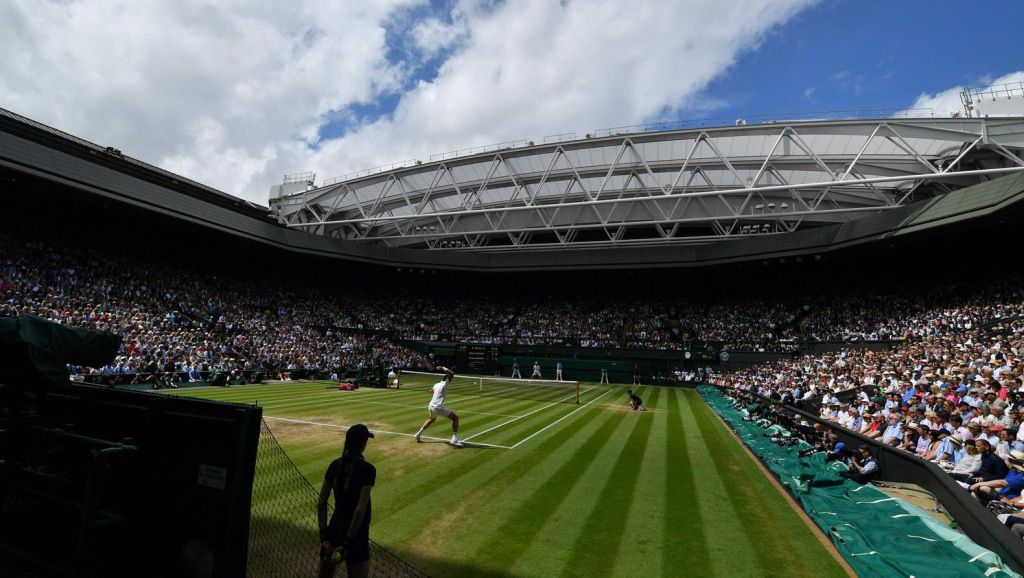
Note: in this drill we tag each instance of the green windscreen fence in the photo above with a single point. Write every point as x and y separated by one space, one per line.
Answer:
573 369
283 535
878 535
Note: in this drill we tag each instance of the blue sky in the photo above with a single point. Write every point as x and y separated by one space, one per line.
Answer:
237 93
872 55
838 55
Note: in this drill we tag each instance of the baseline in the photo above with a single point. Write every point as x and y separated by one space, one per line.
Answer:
394 433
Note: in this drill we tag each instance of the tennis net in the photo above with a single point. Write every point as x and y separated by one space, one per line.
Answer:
538 389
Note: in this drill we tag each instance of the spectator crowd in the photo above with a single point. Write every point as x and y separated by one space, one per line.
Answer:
178 324
951 393
178 318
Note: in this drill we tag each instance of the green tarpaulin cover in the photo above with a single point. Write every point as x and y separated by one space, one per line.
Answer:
879 535
33 350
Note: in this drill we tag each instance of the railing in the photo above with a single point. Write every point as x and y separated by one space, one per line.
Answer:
1007 90
374 171
299 178
480 149
654 127
153 378
901 466
773 118
554 138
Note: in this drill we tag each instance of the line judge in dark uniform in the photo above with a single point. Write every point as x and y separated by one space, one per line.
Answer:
351 478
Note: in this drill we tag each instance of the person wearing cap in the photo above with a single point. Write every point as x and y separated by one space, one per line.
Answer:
875 428
973 430
989 400
863 467
991 433
951 450
963 409
1008 487
968 463
941 449
436 407
838 450
893 433
351 478
971 398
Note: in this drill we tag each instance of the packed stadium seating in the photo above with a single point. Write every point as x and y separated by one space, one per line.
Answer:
946 354
179 319
183 324
956 380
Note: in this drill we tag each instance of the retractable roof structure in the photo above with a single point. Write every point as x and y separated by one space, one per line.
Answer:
659 188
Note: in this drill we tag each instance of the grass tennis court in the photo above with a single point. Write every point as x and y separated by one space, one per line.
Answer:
551 488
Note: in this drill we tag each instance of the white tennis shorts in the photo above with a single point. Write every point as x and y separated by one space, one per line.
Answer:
439 410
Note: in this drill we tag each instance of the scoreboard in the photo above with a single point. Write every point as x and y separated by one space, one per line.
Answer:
477 357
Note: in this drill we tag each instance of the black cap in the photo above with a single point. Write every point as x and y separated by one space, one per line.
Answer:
359 431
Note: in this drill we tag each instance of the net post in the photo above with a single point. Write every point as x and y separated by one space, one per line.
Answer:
398 379
577 393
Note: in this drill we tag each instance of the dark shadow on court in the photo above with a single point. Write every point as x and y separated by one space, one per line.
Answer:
284 549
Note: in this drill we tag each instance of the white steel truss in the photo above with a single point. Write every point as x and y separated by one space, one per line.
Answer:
656 188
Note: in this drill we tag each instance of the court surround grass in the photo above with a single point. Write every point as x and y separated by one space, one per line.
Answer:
559 489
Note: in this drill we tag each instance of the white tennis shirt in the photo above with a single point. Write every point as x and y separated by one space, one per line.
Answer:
440 391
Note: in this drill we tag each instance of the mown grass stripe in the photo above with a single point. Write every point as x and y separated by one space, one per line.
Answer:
640 549
791 546
515 433
684 543
731 541
490 494
538 509
596 549
510 540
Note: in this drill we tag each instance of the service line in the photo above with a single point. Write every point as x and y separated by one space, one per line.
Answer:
584 406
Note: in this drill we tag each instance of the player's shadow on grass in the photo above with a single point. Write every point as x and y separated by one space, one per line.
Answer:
465 446
279 547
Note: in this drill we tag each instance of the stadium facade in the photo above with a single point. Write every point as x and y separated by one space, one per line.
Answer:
665 198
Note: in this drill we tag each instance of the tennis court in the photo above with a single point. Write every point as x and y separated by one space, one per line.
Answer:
549 487
495 413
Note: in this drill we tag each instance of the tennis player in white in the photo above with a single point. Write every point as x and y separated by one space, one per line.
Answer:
436 407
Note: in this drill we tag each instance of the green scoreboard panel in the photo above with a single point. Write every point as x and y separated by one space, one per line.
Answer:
477 357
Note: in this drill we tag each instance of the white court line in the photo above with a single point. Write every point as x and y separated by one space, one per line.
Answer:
256 398
394 433
517 418
307 384
584 406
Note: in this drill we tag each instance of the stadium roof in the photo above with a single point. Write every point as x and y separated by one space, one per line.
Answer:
660 188
879 193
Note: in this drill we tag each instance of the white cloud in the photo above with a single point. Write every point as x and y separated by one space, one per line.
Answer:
946 102
432 36
846 81
227 94
234 94
535 67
